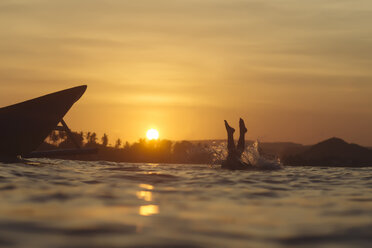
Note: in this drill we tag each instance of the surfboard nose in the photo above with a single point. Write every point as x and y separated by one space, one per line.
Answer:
24 126
78 91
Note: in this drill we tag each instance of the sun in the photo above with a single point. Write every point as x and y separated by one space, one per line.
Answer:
152 134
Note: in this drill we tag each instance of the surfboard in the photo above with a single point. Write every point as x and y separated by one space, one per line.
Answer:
24 126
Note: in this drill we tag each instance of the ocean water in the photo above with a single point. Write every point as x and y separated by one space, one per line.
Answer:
61 203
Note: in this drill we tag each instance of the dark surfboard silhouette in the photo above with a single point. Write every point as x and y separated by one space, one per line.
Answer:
24 126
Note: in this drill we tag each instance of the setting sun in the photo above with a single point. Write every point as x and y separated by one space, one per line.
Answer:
152 134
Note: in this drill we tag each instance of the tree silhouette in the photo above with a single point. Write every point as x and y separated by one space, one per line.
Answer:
82 136
88 136
104 139
127 145
141 151
68 143
62 135
182 150
79 137
54 137
118 143
93 138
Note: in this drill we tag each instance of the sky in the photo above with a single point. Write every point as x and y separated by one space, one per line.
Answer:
295 70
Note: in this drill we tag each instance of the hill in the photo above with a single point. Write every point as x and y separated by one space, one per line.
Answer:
332 152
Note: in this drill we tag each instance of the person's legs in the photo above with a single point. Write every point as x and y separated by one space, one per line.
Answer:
230 139
241 142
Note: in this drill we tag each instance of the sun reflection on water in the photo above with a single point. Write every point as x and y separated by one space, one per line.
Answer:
146 186
145 195
148 210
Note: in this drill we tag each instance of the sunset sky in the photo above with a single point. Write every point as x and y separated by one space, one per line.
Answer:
295 70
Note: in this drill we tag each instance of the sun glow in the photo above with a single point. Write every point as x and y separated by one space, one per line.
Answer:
152 134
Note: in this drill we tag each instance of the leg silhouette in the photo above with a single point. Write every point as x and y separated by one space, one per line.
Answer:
241 142
230 139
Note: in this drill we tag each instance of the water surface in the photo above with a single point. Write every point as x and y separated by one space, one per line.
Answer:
60 203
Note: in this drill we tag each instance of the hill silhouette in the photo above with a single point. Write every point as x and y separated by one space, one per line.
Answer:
332 152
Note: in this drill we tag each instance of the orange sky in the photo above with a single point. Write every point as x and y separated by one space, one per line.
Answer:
294 70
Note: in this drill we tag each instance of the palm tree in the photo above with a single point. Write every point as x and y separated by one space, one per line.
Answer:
104 139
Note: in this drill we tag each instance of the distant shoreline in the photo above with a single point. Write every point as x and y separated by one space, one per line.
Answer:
333 152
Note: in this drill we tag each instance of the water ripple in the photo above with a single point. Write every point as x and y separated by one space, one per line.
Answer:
61 203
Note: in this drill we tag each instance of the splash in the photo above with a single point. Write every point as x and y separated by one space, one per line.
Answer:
252 155
219 152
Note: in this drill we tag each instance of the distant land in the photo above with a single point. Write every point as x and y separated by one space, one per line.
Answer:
331 152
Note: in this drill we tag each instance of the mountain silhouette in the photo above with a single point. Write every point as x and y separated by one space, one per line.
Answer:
332 152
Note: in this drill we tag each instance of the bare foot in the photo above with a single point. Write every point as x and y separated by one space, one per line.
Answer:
228 128
242 127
